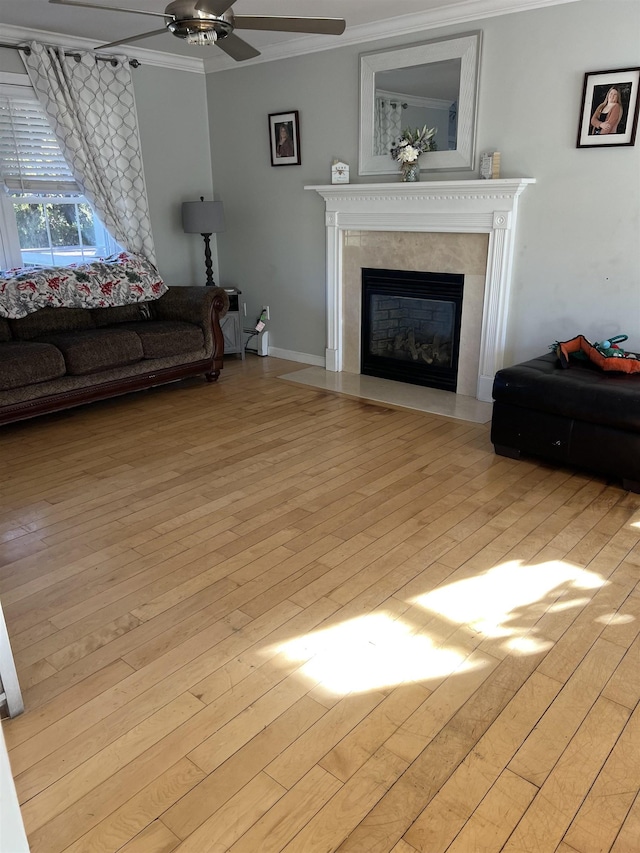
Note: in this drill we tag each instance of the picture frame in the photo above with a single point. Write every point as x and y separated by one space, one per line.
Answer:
598 105
284 138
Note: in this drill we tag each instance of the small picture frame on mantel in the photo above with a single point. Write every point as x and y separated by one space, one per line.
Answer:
284 138
339 172
609 112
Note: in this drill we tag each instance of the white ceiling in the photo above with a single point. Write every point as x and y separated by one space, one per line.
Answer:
366 20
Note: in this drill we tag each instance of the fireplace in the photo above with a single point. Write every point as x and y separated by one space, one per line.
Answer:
411 326
431 207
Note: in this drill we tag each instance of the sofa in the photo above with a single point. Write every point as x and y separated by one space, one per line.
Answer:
578 415
61 355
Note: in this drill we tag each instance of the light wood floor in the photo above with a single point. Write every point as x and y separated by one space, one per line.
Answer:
258 617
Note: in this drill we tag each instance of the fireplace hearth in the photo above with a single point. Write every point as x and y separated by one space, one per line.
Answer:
411 326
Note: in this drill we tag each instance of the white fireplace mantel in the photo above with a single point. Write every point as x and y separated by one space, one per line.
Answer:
478 206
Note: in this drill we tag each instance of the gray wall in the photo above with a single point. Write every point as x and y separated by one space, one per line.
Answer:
273 248
577 265
174 136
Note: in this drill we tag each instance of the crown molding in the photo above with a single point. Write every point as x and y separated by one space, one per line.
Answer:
460 13
415 100
20 35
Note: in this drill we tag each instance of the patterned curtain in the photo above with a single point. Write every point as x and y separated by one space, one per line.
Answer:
387 124
92 111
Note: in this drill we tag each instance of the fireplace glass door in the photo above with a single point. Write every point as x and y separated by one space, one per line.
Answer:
411 326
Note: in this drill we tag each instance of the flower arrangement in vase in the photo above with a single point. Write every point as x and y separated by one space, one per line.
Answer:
410 145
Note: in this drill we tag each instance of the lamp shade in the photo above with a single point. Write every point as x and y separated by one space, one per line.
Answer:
202 217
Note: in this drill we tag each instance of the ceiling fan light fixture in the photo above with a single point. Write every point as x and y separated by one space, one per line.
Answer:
201 30
202 38
210 22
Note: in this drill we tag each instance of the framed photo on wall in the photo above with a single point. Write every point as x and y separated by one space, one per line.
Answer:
609 114
284 138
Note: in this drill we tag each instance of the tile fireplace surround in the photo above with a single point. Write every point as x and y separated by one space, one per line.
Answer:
477 221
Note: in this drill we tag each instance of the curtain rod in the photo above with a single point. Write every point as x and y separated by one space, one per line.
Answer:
134 63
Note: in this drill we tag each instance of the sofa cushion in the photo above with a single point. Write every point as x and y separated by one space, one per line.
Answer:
122 313
48 321
27 363
5 330
93 350
166 338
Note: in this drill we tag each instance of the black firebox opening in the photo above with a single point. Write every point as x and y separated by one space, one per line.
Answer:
411 326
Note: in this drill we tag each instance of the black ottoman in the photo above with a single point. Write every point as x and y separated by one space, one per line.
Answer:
580 415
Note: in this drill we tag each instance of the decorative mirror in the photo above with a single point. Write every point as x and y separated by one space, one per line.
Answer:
433 84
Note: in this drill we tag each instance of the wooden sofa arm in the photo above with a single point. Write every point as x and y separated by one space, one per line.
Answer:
203 306
191 304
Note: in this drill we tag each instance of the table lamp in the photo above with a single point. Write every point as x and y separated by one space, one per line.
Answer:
205 218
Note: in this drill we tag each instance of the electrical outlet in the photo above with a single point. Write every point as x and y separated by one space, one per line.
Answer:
266 312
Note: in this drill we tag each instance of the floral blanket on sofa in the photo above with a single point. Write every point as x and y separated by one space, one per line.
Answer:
118 280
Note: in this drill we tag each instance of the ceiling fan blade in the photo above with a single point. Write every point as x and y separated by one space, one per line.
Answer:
108 8
214 7
278 23
237 48
132 38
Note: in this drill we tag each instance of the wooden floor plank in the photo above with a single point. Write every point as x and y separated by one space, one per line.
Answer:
218 833
282 633
494 819
214 791
547 819
290 815
349 805
605 808
624 685
155 838
541 750
56 798
628 836
435 828
140 812
390 819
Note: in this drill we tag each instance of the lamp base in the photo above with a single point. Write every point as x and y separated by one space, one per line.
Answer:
207 260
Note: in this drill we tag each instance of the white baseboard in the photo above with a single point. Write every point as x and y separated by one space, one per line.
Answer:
302 357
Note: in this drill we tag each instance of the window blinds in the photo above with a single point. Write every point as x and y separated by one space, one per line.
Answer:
30 157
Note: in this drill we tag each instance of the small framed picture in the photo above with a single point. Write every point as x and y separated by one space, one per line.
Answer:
284 138
609 114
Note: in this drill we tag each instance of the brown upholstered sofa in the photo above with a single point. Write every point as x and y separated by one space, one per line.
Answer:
60 357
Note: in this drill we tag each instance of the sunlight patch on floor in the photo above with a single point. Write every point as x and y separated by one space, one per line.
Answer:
614 619
372 652
379 650
527 645
490 602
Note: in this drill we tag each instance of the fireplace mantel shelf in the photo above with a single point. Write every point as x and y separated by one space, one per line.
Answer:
462 206
495 188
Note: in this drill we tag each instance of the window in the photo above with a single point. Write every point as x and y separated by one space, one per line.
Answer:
55 230
44 218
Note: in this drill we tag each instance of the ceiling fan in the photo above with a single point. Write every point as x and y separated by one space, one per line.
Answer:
206 22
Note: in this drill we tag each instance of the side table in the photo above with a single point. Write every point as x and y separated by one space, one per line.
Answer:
231 323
